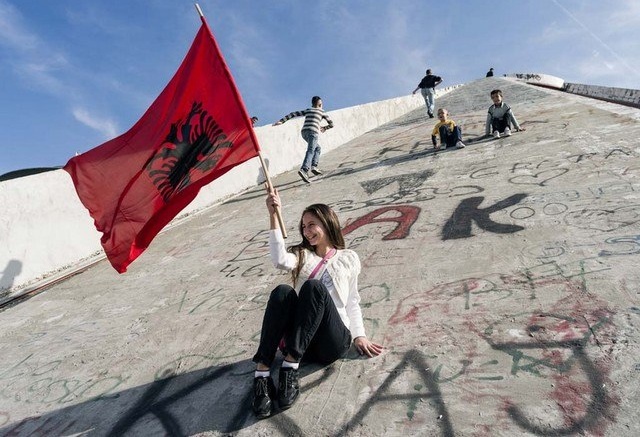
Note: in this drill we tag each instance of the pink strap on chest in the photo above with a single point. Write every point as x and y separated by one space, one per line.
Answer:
322 261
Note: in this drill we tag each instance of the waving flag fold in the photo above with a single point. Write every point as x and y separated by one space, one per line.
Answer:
195 131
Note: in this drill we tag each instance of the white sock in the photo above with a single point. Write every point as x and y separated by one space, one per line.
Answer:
262 374
287 364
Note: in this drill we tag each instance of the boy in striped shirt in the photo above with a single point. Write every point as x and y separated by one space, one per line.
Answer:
311 130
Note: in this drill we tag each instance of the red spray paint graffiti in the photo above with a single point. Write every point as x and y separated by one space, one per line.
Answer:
408 216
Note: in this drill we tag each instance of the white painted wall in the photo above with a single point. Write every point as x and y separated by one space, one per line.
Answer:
539 79
623 96
617 95
45 232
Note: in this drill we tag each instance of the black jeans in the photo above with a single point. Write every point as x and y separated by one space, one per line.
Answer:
309 323
500 124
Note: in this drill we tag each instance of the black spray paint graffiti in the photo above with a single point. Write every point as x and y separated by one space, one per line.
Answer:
166 393
605 218
468 211
159 398
163 403
419 195
416 360
407 182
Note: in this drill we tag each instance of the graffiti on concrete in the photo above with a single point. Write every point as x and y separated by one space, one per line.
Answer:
408 214
564 343
407 183
44 386
468 211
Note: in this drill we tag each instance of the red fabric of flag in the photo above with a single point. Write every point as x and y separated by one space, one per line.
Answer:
194 132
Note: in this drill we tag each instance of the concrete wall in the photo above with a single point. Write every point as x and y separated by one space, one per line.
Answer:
622 96
45 232
545 80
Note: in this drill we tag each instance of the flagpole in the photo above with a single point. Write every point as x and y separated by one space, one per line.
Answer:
270 188
199 10
262 163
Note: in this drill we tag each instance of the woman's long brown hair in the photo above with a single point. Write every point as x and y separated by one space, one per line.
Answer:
331 224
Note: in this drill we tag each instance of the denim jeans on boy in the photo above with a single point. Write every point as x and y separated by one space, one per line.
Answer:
450 138
429 95
308 322
500 124
312 156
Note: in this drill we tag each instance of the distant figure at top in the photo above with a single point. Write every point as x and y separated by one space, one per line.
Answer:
254 120
490 72
427 87
310 132
500 117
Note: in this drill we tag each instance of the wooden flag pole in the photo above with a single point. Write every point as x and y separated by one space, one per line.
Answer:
270 188
262 163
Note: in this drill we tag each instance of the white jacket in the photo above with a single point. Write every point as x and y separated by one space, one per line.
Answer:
339 275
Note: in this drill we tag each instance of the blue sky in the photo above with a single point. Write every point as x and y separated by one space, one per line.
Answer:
74 74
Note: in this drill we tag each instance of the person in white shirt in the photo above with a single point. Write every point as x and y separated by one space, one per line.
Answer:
319 316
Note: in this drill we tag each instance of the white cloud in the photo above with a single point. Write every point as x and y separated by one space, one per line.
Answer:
11 31
31 58
107 127
584 39
555 32
407 59
625 15
250 47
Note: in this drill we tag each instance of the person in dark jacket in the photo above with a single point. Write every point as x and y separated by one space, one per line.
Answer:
427 88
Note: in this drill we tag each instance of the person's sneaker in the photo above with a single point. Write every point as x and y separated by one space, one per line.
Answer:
460 145
303 174
316 171
264 391
430 114
496 134
507 132
288 387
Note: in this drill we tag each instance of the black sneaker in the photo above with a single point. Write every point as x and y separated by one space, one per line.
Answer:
303 174
288 387
316 171
430 114
263 393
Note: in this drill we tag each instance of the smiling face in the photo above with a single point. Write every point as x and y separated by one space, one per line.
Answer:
320 229
497 99
313 230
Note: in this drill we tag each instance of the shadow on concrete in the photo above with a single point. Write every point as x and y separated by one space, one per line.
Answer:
172 405
347 171
13 269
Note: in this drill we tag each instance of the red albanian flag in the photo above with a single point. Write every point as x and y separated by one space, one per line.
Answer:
194 132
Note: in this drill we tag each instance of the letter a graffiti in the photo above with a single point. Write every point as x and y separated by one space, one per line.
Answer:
408 216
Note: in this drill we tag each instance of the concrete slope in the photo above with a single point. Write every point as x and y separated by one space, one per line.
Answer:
501 278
